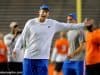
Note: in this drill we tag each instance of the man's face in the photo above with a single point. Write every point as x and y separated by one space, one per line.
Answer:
43 13
15 28
70 20
91 27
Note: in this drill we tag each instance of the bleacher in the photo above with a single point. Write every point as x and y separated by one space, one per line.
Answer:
21 10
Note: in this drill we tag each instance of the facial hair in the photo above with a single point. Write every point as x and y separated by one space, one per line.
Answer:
89 28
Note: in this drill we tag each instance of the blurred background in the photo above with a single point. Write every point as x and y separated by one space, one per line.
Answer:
22 10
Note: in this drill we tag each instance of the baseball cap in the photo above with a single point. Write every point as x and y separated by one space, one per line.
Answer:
73 15
13 24
44 7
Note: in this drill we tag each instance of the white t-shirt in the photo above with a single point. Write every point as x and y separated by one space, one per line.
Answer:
8 40
58 57
38 37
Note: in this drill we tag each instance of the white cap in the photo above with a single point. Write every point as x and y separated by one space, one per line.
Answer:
12 24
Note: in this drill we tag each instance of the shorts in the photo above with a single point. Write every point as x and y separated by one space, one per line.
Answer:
35 67
93 69
73 67
58 66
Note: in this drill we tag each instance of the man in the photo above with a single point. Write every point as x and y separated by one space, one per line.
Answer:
38 34
59 53
92 57
75 64
10 39
92 40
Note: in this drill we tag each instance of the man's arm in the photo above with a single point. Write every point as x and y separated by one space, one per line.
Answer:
77 51
68 26
61 26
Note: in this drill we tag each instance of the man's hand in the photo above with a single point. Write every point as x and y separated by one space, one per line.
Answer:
88 22
69 56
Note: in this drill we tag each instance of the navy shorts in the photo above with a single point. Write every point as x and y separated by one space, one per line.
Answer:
35 67
58 66
73 67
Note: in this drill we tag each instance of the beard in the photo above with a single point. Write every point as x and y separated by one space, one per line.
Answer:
89 28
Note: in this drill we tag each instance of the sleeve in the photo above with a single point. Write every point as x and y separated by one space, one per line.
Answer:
54 53
60 26
22 39
7 41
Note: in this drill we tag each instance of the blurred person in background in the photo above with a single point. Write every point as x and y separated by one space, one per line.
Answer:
92 57
3 50
74 64
59 53
11 38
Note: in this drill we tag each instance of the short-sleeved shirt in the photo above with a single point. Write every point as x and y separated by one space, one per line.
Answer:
93 47
62 46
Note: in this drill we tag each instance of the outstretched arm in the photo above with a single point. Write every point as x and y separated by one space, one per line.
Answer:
68 26
77 51
60 26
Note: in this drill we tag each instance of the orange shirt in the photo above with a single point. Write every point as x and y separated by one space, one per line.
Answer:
3 52
62 45
93 47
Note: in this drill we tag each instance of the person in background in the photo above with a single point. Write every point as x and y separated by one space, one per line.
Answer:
59 53
92 57
75 63
3 50
11 38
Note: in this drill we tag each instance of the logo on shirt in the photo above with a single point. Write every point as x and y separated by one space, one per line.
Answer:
49 26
